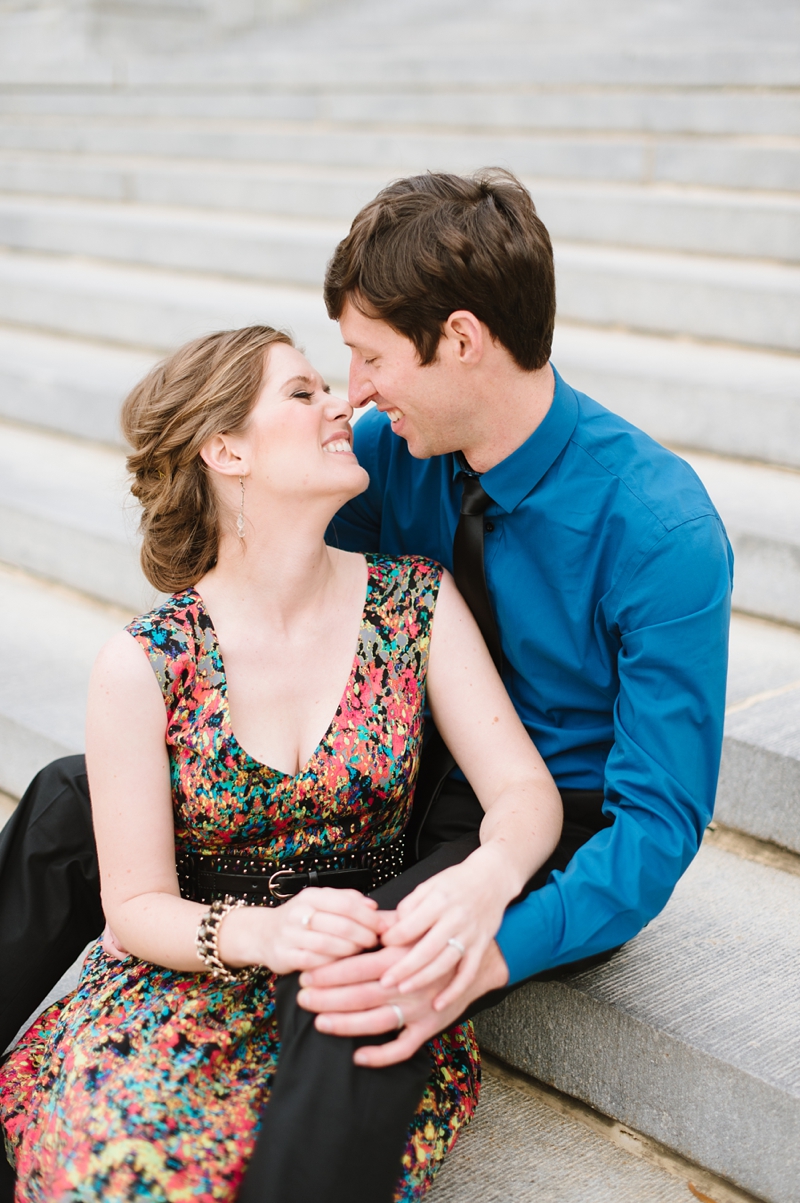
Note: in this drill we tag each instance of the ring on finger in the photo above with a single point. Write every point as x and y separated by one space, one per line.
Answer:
401 1021
307 917
459 947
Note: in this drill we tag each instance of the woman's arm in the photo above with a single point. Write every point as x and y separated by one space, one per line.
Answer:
523 812
129 782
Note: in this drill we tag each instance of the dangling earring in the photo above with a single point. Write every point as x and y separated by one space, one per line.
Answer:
240 519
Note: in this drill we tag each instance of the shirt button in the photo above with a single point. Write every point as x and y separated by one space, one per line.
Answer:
488 527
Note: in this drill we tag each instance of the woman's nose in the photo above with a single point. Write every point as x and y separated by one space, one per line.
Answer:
338 407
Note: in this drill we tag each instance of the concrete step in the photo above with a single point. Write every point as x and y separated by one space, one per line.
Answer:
153 308
759 781
690 1034
743 162
57 635
705 297
65 514
284 250
704 220
728 400
617 108
760 507
527 1142
65 384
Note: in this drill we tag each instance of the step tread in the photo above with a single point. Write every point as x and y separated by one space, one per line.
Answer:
702 1005
517 1148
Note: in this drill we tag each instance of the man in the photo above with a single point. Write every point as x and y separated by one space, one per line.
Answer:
600 575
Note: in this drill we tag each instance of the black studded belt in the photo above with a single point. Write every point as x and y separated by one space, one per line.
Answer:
205 877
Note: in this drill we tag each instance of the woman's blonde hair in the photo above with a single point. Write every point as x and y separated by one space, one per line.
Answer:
205 388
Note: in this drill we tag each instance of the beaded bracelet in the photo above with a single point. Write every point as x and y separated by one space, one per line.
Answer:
206 941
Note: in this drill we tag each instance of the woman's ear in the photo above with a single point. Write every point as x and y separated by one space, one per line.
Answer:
220 455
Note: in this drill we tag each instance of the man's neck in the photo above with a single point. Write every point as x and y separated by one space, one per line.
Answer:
518 406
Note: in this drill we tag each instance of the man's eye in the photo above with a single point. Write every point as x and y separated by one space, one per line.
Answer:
368 363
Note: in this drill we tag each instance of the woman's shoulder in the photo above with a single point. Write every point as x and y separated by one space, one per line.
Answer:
412 573
173 635
177 618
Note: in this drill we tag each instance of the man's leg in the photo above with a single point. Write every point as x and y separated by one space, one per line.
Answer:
334 1130
49 889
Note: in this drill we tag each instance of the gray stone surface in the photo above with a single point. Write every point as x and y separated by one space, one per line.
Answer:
728 400
146 307
759 786
65 384
760 507
45 673
690 1032
730 300
65 514
517 1149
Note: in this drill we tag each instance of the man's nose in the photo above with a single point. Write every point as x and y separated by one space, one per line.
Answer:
360 388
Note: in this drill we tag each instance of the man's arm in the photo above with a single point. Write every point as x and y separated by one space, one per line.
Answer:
661 775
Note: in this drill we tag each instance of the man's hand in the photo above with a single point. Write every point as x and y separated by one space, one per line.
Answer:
350 1001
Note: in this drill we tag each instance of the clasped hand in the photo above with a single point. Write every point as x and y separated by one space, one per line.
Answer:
439 954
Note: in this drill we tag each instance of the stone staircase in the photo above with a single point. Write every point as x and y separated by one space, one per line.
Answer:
154 185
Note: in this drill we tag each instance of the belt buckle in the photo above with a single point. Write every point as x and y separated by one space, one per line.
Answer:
274 891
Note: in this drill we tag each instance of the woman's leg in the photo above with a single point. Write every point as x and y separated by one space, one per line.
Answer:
49 889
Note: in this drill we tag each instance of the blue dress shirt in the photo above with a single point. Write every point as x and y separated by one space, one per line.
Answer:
610 574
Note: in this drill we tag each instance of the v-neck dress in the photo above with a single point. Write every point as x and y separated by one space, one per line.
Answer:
147 1083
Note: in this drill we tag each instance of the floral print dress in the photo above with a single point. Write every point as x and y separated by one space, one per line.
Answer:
147 1083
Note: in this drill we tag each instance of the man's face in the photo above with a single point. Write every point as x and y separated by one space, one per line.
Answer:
421 401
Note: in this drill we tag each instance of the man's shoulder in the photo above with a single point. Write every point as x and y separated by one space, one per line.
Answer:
649 478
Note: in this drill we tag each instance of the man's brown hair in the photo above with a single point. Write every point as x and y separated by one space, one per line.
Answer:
434 243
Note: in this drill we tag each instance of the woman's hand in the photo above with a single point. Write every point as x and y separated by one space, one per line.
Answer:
450 920
313 928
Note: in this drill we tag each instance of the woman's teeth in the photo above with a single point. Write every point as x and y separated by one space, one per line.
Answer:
339 445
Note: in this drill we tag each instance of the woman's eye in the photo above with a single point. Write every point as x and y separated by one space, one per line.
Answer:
304 396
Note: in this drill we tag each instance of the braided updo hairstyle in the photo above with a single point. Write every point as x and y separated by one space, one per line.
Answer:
205 388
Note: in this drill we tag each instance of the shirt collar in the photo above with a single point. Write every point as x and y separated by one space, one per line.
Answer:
510 481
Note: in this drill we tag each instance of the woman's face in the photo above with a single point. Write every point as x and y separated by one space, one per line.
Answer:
298 439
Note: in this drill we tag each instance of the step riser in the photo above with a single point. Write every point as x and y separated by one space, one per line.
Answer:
542 1030
743 416
702 111
101 306
23 753
710 162
758 306
684 220
758 791
103 568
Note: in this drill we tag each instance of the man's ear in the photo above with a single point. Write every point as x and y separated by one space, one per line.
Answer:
466 335
220 455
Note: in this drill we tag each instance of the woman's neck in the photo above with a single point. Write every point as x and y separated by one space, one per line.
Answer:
280 574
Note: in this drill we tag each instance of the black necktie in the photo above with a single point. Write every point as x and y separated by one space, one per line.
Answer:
468 566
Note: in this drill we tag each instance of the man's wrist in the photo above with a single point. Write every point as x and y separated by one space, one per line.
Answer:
493 973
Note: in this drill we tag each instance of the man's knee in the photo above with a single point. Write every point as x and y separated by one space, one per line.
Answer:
56 809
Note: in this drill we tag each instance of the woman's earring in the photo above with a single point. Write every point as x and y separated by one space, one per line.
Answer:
240 519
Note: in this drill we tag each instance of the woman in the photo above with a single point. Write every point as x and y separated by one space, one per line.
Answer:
210 742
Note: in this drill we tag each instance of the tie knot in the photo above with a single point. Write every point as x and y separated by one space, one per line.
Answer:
474 499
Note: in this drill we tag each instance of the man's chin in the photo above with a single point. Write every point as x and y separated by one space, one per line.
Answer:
420 449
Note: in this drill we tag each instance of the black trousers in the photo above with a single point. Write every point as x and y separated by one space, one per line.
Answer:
333 1131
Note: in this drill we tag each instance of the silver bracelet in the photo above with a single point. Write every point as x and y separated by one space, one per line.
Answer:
206 941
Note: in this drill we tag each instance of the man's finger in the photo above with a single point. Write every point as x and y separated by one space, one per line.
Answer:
367 967
359 1023
361 997
377 1055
